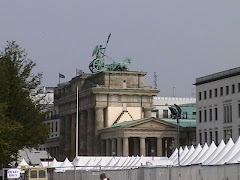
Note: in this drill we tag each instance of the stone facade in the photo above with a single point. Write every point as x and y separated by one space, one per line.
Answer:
218 106
161 105
147 137
105 98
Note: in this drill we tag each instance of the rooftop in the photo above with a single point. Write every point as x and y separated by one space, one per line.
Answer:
218 76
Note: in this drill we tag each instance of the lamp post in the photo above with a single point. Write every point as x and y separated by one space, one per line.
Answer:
176 114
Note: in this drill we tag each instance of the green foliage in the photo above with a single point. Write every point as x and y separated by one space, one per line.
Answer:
21 123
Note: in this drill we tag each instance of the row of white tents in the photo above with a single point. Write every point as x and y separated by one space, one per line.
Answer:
103 163
206 155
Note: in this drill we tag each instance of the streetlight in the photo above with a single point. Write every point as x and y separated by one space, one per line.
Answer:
176 114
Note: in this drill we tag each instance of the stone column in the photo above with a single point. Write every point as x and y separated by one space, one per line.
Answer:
99 124
57 153
103 147
68 136
136 146
108 152
73 136
62 138
83 133
159 146
147 112
114 144
142 146
119 147
90 132
175 139
125 146
54 152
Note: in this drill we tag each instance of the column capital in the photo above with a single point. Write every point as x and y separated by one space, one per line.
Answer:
98 107
147 108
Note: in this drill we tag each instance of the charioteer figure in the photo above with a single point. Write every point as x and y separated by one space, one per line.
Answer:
98 64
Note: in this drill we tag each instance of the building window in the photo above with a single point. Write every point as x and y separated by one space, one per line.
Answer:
56 127
227 113
215 92
205 115
238 87
194 115
221 91
205 94
205 137
200 96
216 137
184 116
233 88
200 116
210 93
200 138
52 127
210 114
211 138
227 90
227 134
165 113
216 114
238 110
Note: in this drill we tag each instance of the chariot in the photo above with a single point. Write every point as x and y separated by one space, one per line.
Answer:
98 64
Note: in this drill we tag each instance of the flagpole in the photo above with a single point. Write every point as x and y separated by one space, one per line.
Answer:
59 78
77 126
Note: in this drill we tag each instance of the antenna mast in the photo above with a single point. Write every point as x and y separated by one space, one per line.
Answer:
155 80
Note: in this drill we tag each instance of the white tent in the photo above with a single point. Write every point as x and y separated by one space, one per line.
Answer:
191 150
215 153
55 164
232 152
206 154
23 163
200 154
175 156
223 152
66 163
235 159
193 155
182 155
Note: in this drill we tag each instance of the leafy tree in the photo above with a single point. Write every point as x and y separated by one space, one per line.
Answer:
21 123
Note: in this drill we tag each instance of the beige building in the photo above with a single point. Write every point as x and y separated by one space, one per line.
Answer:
147 137
103 100
218 106
114 116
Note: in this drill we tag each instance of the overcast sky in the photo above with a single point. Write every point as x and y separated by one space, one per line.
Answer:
179 39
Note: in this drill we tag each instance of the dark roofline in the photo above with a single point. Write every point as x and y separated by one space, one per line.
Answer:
218 76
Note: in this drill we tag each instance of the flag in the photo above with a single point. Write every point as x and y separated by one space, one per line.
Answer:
79 72
61 75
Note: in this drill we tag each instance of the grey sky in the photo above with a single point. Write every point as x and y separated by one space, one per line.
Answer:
179 39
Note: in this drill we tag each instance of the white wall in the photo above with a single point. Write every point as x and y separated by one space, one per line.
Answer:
162 103
218 102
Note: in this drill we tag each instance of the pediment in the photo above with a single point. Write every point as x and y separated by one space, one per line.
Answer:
152 123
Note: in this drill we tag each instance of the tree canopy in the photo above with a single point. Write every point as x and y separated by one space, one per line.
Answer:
21 123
